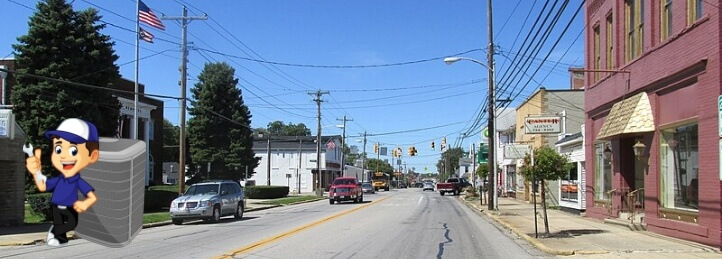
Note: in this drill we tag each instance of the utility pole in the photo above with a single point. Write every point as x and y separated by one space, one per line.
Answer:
343 144
268 162
318 101
492 146
185 19
363 161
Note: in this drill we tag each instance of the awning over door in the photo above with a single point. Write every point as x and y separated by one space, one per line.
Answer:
631 115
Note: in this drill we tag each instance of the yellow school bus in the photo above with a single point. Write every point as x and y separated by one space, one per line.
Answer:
380 181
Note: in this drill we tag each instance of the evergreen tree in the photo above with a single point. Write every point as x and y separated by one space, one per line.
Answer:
64 44
219 131
170 141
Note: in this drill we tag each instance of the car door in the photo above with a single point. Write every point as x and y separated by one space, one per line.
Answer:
227 205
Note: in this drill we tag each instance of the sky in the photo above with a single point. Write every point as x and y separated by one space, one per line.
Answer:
380 63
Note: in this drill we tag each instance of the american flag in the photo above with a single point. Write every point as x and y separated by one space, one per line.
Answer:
147 16
146 36
330 145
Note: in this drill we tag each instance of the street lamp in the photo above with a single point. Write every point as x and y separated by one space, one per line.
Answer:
492 100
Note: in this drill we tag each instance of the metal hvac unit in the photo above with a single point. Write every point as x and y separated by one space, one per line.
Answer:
118 178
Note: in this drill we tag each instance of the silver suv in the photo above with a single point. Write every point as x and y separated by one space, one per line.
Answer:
209 200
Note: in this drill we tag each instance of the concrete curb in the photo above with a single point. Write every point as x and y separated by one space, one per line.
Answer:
533 241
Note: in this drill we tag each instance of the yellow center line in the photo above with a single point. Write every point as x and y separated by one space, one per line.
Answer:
278 237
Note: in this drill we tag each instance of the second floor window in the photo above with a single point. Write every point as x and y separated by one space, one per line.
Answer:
610 42
597 55
694 10
634 28
665 26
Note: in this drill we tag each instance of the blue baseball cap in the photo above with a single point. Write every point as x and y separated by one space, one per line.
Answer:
75 130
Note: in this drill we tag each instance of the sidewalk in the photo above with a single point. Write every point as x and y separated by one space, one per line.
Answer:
35 234
576 235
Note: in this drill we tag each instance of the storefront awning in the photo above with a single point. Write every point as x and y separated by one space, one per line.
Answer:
631 115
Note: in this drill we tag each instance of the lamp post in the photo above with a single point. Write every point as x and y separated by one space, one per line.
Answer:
492 147
3 75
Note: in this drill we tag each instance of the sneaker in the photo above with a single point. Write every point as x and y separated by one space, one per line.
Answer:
53 242
50 234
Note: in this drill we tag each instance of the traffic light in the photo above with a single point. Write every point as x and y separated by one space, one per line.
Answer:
415 151
411 151
376 148
432 145
443 143
399 152
394 153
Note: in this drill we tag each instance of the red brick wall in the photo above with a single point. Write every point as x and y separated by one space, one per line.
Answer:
682 78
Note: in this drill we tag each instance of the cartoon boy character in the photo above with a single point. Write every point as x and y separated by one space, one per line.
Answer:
75 146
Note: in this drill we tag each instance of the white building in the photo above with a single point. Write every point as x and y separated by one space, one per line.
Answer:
293 162
572 186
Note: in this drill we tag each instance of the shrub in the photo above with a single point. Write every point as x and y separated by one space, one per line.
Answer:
158 199
266 192
40 204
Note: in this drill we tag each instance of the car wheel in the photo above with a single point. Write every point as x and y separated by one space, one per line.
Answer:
330 201
442 193
216 214
239 211
361 199
177 221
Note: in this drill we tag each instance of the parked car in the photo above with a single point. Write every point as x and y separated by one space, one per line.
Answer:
345 189
367 188
452 185
428 186
209 200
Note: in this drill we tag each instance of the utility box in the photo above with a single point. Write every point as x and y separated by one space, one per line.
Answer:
118 178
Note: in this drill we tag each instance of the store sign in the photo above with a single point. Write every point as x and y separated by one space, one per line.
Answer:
516 151
543 125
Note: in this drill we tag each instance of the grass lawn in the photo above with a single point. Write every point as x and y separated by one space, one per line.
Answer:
153 217
291 199
31 217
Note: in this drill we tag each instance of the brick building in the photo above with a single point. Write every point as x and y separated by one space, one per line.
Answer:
652 133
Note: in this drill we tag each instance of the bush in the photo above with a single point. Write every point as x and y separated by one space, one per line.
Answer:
266 192
158 199
40 204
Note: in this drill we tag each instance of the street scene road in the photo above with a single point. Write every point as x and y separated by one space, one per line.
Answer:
406 223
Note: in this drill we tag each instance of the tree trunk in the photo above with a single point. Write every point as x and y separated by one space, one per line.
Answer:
544 207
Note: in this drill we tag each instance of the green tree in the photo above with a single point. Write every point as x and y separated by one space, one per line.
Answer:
383 166
278 128
64 44
219 131
450 161
170 141
548 166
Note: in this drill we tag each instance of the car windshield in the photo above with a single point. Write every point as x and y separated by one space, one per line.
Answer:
343 182
202 189
366 185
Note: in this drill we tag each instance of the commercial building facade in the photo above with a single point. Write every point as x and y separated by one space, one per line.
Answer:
652 116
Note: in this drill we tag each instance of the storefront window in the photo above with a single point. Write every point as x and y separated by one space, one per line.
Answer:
510 178
570 184
602 173
679 158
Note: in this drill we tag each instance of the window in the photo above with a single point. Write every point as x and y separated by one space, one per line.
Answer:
570 184
602 173
679 158
597 55
610 42
634 24
694 10
665 20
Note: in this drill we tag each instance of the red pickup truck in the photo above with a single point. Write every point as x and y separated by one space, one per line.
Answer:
452 185
345 189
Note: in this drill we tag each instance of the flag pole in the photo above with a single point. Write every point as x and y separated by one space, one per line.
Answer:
137 42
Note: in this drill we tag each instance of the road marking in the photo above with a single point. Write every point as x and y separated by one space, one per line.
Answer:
420 199
278 237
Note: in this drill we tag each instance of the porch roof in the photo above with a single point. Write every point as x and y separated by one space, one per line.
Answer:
631 115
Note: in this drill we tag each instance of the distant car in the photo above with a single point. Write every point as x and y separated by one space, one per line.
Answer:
367 188
345 189
209 200
418 185
428 186
402 185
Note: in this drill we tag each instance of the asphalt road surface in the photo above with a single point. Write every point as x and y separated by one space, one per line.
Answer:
407 223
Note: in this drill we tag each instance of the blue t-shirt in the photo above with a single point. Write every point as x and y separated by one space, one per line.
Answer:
66 189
